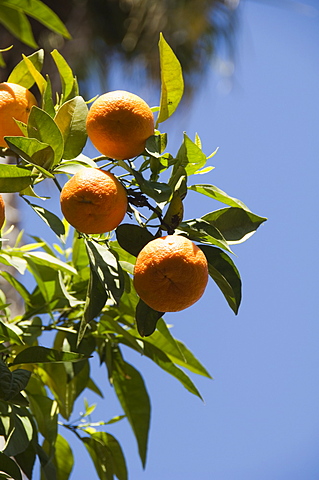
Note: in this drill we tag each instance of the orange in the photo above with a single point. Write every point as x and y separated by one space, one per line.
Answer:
119 123
2 212
170 273
93 201
15 103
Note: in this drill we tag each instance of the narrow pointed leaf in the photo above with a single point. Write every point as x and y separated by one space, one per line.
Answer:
172 84
132 394
214 192
21 75
46 355
223 271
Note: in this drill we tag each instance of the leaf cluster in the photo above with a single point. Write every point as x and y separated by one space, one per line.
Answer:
83 291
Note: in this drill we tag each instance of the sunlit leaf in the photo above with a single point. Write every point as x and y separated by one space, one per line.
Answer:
172 84
71 120
214 192
42 127
17 23
21 75
14 178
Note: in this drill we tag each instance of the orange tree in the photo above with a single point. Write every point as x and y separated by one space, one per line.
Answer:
84 293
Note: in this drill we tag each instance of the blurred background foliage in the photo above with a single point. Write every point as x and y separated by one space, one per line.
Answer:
107 31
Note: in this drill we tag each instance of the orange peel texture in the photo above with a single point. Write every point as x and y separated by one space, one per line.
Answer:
93 201
170 273
119 123
15 103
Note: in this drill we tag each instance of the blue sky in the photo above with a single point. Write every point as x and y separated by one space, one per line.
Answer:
260 418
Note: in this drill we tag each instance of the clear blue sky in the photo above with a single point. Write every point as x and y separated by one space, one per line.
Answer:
260 419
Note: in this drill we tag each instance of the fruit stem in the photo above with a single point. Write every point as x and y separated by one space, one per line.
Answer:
57 184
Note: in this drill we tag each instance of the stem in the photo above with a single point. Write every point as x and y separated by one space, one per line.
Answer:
57 184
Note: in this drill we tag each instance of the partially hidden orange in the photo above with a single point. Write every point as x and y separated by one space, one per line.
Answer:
170 273
93 201
119 123
2 212
15 103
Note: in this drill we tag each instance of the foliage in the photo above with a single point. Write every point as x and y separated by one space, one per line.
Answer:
83 293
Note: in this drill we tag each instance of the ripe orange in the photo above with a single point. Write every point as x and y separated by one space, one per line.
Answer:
2 212
93 201
170 273
119 123
15 102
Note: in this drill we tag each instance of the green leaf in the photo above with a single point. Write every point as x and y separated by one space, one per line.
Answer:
223 271
22 433
69 84
214 192
160 192
132 238
107 455
201 231
47 101
95 300
11 383
33 151
45 259
26 460
107 268
146 319
71 120
7 465
14 178
63 459
21 75
40 12
131 392
236 224
19 287
17 23
48 471
172 84
38 78
42 127
46 355
190 156
52 220
45 412
9 332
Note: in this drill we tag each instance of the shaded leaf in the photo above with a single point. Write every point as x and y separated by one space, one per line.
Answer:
52 220
107 268
236 224
38 354
201 231
133 238
223 271
8 465
146 319
9 332
131 392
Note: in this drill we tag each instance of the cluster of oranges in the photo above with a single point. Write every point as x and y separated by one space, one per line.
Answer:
171 272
